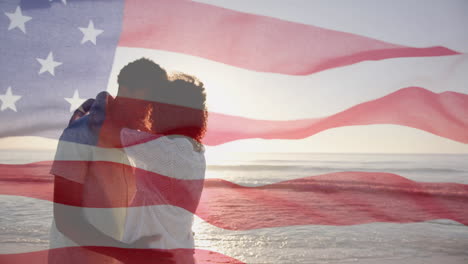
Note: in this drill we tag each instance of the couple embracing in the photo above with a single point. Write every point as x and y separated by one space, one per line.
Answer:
129 171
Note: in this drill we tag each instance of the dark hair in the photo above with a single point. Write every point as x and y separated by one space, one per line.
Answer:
185 112
141 82
142 74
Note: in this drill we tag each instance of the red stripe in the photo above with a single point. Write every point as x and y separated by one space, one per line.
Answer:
137 256
363 197
443 114
250 41
345 198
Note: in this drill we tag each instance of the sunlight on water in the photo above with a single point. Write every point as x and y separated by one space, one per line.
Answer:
24 223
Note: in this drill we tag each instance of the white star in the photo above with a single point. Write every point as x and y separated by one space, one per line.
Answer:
17 20
48 64
90 33
63 1
9 100
75 101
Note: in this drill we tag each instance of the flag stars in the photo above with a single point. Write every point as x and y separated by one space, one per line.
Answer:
18 20
8 100
75 101
48 64
63 1
90 33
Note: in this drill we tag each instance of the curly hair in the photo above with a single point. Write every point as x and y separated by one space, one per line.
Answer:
185 113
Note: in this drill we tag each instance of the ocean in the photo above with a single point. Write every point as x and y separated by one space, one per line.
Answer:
25 222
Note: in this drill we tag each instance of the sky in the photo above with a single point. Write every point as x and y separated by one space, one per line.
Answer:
232 90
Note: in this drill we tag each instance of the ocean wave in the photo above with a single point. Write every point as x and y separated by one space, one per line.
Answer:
266 167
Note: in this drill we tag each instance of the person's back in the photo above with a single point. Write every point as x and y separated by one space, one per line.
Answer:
103 187
92 173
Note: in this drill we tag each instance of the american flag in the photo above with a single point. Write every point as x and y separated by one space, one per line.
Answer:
273 70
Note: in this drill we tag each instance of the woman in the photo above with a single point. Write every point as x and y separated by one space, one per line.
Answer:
169 169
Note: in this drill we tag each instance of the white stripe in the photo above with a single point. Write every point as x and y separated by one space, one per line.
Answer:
241 92
417 23
355 139
95 153
352 139
115 222
160 161
366 139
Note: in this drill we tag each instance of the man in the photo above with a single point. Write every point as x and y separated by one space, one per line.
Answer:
93 182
